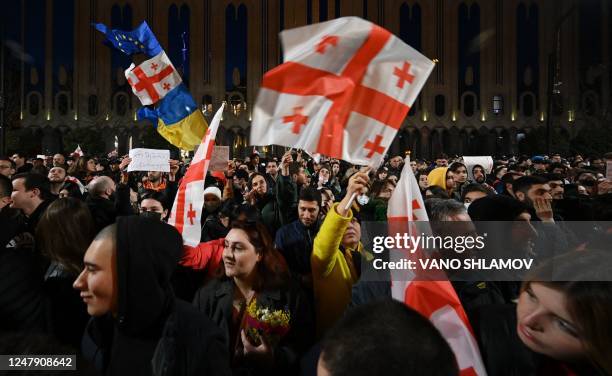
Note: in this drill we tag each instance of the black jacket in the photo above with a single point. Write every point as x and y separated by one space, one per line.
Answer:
215 301
105 211
153 333
294 241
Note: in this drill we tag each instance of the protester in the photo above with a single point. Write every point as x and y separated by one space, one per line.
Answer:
376 338
336 255
64 232
83 169
20 163
31 193
472 192
560 324
295 240
138 326
443 178
7 166
57 178
107 200
256 278
154 205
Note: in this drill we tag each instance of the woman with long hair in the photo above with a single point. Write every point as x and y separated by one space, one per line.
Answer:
63 234
83 169
560 325
255 279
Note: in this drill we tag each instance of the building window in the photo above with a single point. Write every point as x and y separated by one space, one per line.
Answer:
440 105
92 105
62 104
498 104
34 104
469 104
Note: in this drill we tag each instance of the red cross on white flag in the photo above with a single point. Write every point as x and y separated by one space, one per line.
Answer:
435 299
353 83
153 79
187 209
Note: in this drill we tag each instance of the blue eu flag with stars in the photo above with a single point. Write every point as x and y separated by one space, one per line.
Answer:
139 40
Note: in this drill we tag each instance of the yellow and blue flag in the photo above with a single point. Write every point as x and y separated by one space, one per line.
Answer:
176 115
139 40
177 118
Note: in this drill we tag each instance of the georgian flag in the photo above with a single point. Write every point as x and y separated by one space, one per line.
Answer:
153 79
435 299
343 91
187 209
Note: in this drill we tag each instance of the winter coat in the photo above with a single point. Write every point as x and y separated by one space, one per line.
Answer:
215 300
294 241
334 270
153 333
276 207
105 211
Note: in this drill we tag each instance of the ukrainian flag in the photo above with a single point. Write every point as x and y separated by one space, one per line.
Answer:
177 118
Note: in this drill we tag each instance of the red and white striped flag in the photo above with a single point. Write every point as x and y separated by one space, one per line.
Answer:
187 208
343 91
435 299
78 151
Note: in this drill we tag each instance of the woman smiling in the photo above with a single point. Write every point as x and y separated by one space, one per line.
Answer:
255 279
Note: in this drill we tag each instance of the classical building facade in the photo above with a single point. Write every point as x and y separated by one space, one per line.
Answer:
489 88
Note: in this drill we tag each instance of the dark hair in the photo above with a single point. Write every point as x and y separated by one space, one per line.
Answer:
552 177
524 183
554 165
35 181
456 165
160 197
584 279
6 187
273 161
473 187
294 168
79 169
241 174
386 338
253 176
437 192
73 189
65 231
272 269
7 158
310 194
442 156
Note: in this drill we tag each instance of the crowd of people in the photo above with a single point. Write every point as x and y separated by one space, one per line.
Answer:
90 267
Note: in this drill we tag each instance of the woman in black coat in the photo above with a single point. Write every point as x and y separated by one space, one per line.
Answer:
256 276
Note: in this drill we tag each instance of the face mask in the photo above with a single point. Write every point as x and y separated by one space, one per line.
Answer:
212 206
467 205
151 214
363 199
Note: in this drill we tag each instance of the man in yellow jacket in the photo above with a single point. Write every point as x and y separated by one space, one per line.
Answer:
336 248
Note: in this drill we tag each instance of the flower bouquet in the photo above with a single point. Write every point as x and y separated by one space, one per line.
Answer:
271 325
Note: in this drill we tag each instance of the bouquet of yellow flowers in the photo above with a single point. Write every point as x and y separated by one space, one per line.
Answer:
265 323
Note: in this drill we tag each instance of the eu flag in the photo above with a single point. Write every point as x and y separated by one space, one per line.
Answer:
139 40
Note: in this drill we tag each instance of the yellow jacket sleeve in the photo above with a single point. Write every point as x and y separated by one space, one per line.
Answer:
327 242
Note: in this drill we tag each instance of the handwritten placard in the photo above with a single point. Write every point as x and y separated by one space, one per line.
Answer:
149 160
219 158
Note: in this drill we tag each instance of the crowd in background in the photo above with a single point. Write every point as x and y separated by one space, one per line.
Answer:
90 267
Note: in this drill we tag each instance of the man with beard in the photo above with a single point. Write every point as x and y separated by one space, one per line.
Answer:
395 165
534 192
57 178
59 160
107 200
295 240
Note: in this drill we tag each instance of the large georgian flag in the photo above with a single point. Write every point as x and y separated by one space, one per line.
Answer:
187 209
435 299
343 91
153 79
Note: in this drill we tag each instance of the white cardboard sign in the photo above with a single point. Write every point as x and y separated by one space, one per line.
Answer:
149 160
